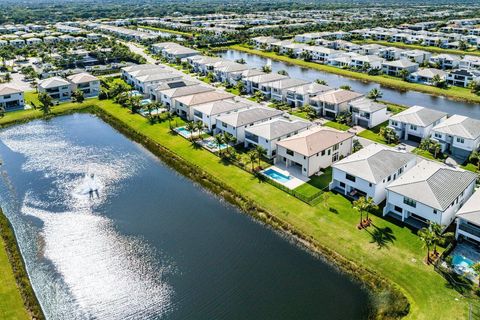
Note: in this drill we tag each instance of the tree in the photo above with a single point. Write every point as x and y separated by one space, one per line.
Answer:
240 86
210 77
345 87
261 152
403 74
388 134
475 159
283 72
267 69
8 77
321 81
2 112
199 127
437 230
344 117
46 102
375 94
219 140
357 146
134 102
364 204
230 140
476 268
474 86
438 82
462 45
78 96
191 127
169 117
428 238
311 112
252 157
258 96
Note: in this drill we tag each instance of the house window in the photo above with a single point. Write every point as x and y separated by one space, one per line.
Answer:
350 177
460 140
342 185
329 151
289 152
323 152
413 127
398 209
400 171
389 178
410 202
438 135
434 211
335 147
370 184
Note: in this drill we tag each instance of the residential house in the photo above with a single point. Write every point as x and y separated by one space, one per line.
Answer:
85 82
11 98
416 123
368 113
418 56
300 96
278 89
314 149
397 67
259 82
203 64
390 53
366 62
209 112
266 134
237 122
56 87
167 85
468 220
462 77
445 61
429 192
426 75
369 171
229 71
321 54
183 106
263 43
458 135
167 96
331 103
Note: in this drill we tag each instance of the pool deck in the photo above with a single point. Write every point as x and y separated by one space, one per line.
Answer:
297 179
470 252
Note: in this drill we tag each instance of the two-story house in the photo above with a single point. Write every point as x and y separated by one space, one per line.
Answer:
11 98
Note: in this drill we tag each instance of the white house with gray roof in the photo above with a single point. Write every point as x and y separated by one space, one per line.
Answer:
167 85
368 113
458 135
85 82
266 134
278 89
11 98
429 192
260 82
184 105
166 96
395 68
236 123
300 96
56 87
416 122
369 171
468 219
208 113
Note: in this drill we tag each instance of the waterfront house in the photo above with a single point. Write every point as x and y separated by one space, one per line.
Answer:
468 220
167 85
418 56
369 171
395 68
462 77
209 112
166 96
390 53
445 61
266 134
368 113
229 71
458 135
11 98
203 64
85 82
56 87
263 43
300 96
183 105
278 89
314 149
321 54
148 79
235 123
331 103
429 192
426 75
131 72
366 62
259 82
416 122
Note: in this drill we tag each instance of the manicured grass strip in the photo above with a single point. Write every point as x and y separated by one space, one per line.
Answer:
17 298
373 134
452 92
180 33
420 47
389 249
336 125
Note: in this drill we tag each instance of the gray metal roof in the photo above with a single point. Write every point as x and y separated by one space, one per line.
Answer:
420 116
248 116
471 209
374 162
460 126
277 128
433 184
367 105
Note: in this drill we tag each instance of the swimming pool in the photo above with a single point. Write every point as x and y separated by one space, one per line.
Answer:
213 145
184 132
277 176
459 260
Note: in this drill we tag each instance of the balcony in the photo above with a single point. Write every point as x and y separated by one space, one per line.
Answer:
474 231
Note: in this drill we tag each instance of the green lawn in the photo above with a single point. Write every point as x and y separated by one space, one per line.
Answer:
373 134
453 92
398 260
432 49
336 125
316 184
300 114
11 302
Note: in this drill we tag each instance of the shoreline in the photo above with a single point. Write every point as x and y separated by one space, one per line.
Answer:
392 83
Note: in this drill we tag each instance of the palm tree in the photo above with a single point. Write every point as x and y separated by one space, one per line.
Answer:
311 112
388 134
78 96
169 118
476 268
240 87
375 94
475 159
219 140
134 103
252 157
229 139
190 126
345 87
403 74
428 238
437 81
322 82
2 112
266 68
199 127
261 152
437 230
46 102
364 204
8 77
150 107
357 146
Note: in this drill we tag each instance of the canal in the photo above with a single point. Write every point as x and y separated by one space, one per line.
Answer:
109 232
409 98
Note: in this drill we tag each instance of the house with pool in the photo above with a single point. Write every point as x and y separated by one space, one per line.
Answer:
314 149
416 123
266 134
183 106
167 85
429 192
331 103
208 113
237 122
458 135
167 96
369 171
468 220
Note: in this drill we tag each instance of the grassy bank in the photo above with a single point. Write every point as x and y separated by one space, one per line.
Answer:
456 93
17 298
420 47
387 251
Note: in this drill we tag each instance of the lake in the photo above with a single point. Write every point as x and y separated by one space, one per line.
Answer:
109 232
409 98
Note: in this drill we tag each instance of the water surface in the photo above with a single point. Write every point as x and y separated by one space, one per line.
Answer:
152 244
